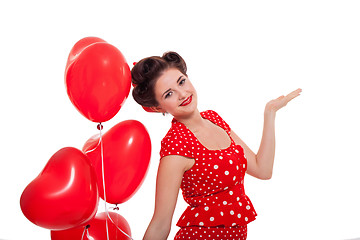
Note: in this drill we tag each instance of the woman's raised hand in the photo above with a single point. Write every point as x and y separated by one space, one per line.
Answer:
274 105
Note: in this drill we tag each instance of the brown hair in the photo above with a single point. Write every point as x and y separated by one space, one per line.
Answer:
146 72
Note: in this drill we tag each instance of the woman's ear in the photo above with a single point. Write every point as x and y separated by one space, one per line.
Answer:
156 109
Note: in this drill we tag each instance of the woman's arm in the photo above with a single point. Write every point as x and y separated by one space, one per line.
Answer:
169 177
260 165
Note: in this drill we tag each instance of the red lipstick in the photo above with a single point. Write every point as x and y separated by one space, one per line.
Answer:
187 101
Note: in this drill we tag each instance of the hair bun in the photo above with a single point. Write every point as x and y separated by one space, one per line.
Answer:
172 57
175 60
149 65
136 77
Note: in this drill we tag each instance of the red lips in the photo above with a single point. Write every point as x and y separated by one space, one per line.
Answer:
187 101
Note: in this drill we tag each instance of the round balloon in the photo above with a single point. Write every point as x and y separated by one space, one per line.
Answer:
80 46
97 229
65 194
126 153
97 79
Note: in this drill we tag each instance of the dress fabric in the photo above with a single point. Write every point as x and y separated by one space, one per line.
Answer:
212 233
214 186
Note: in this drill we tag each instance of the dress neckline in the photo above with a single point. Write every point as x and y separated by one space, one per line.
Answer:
204 116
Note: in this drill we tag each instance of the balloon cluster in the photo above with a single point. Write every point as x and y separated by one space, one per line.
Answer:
64 197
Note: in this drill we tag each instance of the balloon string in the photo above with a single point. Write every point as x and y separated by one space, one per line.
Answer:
93 148
103 178
82 237
86 229
117 226
88 235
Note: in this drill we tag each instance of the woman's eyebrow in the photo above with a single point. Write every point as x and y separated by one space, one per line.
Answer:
179 78
170 88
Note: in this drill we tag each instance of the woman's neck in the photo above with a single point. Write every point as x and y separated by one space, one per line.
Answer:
193 122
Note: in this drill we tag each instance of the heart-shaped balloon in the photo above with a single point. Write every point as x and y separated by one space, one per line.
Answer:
65 194
97 229
126 152
97 79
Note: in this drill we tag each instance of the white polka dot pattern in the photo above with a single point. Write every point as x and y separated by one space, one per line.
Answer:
213 187
212 233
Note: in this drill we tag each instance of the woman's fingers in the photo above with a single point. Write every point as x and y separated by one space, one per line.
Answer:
293 94
280 102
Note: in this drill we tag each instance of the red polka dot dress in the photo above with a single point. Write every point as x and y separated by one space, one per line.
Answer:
213 187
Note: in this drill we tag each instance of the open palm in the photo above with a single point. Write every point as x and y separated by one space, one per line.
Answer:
280 102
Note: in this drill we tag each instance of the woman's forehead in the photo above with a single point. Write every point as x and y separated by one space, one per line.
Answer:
168 78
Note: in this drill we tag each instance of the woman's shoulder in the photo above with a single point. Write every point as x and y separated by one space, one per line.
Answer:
177 141
176 130
216 118
210 113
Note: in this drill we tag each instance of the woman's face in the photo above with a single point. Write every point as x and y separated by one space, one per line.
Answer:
175 93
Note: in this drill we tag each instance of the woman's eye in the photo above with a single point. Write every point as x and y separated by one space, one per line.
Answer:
168 94
182 81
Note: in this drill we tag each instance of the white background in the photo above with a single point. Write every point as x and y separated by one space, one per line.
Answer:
239 56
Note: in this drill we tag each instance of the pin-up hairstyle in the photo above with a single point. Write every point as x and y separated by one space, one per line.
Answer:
145 73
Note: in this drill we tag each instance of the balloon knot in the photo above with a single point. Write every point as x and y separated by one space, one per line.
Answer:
99 126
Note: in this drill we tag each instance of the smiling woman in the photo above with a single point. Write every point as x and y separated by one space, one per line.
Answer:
200 155
175 94
148 70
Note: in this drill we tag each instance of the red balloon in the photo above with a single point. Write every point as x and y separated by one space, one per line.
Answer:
97 229
126 151
65 194
80 46
97 79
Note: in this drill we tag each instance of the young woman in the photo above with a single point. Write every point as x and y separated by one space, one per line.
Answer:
202 155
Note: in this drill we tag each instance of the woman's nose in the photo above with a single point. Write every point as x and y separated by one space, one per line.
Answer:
182 94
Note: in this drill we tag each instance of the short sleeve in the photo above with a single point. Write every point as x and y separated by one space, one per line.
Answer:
177 142
215 118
